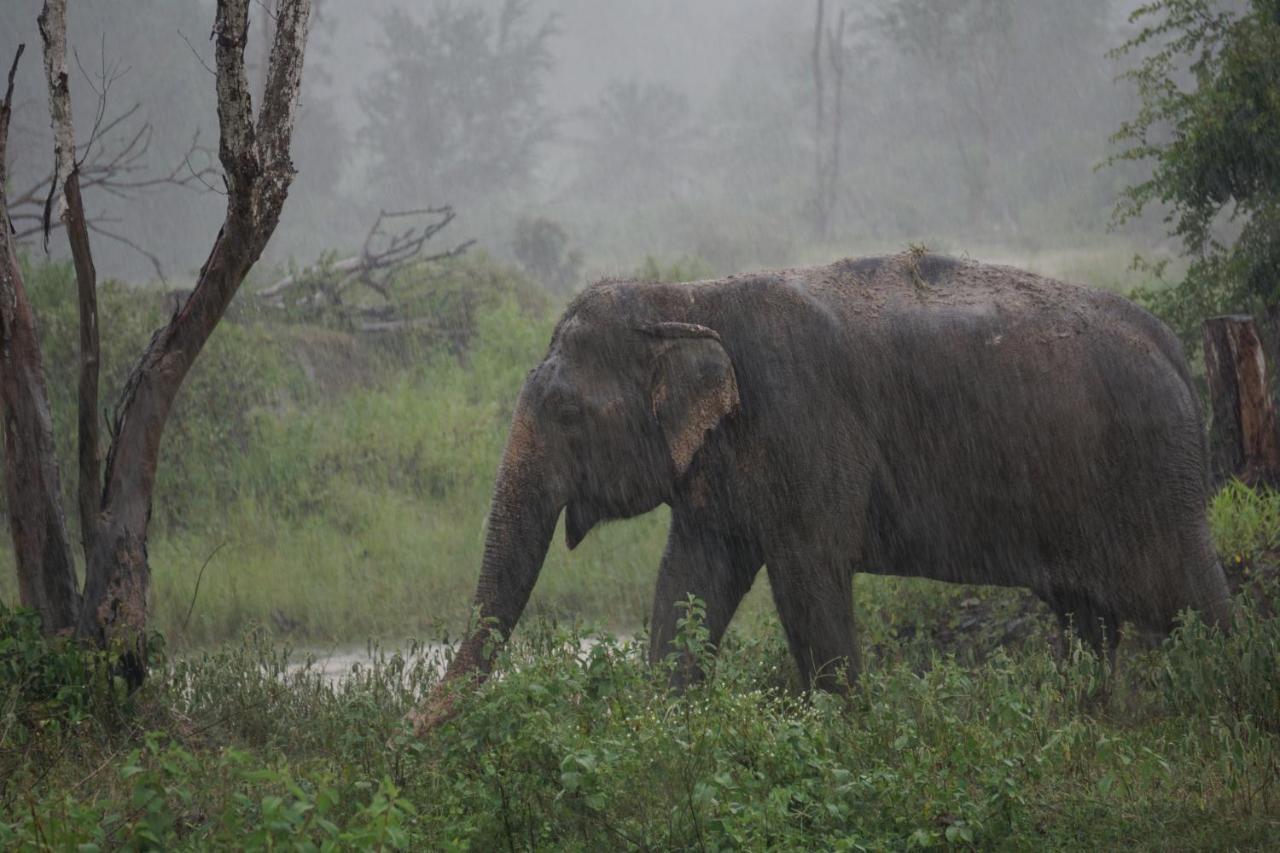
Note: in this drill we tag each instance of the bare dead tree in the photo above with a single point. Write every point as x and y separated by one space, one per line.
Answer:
384 252
963 47
836 58
45 565
53 30
116 502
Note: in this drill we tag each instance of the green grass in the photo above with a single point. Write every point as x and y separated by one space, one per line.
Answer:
1245 522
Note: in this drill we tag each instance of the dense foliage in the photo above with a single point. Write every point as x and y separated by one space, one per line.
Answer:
1209 125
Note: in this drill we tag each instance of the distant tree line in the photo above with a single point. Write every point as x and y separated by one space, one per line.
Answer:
974 117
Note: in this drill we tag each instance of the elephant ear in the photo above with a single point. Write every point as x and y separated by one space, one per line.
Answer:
693 387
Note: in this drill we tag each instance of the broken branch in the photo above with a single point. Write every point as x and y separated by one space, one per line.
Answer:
382 254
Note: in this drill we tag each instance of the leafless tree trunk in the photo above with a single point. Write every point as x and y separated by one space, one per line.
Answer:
1243 432
116 504
46 567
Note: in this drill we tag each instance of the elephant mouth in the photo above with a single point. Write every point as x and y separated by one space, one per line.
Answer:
583 513
579 517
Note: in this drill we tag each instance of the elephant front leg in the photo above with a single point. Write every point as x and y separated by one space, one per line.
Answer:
704 564
814 597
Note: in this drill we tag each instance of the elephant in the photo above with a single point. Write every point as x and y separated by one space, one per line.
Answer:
913 414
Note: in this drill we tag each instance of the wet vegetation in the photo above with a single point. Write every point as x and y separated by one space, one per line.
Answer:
582 746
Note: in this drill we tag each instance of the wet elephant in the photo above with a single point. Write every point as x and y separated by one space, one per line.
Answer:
909 415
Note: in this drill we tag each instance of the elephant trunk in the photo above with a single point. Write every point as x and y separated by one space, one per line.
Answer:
522 520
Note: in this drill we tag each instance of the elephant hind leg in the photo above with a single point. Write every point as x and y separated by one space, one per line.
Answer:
1205 584
1184 574
815 605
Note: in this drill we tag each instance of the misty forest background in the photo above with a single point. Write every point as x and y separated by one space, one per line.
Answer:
662 128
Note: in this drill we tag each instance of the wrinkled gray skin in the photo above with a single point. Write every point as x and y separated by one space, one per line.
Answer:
913 415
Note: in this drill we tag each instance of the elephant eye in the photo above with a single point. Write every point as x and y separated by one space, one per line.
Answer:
569 413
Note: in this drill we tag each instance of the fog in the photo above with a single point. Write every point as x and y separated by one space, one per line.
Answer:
666 128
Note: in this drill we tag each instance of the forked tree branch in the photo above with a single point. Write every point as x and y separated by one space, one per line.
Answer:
382 254
258 172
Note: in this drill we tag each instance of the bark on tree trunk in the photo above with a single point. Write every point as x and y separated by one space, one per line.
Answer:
1271 342
66 172
46 567
1243 438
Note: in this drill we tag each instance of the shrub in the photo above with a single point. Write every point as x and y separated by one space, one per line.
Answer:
53 683
1245 522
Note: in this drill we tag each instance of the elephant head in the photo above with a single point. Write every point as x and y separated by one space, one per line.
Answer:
605 427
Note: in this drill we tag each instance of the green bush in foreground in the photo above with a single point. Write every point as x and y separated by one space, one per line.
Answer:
579 745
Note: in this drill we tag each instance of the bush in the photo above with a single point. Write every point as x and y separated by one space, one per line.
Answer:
1207 123
53 683
1245 522
541 245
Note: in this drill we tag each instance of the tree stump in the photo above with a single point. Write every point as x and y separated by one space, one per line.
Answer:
1244 442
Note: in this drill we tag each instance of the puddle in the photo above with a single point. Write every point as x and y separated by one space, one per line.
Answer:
335 663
